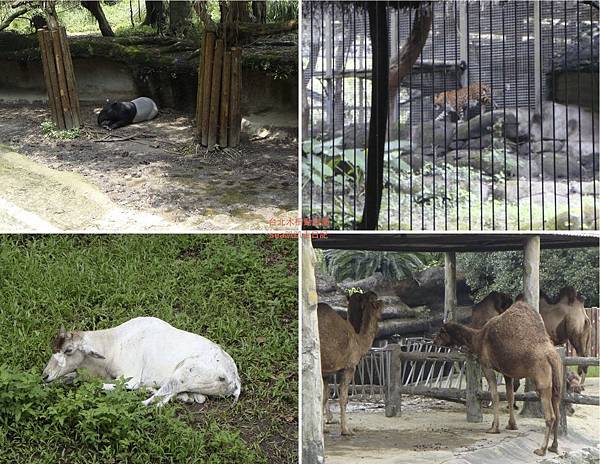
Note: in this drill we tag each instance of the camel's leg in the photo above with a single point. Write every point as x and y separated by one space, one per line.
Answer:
546 398
490 376
347 375
510 398
579 345
326 409
556 408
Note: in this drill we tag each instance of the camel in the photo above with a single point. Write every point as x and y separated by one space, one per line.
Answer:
516 344
492 305
565 320
342 348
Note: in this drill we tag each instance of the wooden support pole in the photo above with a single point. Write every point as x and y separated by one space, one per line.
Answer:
225 91
61 78
312 382
207 85
215 94
473 379
393 406
562 423
235 115
450 286
50 79
531 294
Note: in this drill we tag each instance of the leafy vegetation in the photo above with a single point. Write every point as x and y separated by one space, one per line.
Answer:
240 291
359 264
49 129
503 271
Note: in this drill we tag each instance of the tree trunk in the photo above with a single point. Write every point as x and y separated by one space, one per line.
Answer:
385 85
95 8
180 13
201 9
155 13
233 12
259 10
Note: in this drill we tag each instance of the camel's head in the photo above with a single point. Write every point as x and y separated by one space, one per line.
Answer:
68 353
443 337
450 334
569 295
502 301
374 305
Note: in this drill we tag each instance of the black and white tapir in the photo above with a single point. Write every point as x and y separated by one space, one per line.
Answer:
121 114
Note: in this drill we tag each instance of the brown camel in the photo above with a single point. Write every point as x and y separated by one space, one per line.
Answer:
565 320
516 344
342 348
492 305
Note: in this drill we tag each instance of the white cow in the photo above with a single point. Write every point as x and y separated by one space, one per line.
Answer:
149 353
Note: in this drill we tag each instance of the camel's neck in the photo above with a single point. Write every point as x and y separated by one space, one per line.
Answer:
464 336
368 329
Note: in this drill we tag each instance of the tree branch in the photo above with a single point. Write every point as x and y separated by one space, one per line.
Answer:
14 15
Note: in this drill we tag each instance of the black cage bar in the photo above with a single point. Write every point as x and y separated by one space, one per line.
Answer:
495 127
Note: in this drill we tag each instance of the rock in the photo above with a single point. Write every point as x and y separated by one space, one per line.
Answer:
433 134
477 126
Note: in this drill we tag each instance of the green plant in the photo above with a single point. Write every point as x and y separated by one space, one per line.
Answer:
358 264
49 129
502 271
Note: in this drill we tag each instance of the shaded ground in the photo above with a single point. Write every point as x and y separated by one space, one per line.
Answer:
434 431
155 170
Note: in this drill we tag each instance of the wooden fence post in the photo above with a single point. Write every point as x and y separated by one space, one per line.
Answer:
225 91
393 398
235 115
473 379
207 67
449 286
215 94
562 424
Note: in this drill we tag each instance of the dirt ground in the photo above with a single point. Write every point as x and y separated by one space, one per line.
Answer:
148 176
433 431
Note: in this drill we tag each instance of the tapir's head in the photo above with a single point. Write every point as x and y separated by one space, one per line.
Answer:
108 114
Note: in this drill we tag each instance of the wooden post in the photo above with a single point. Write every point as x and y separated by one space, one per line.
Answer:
562 423
531 294
312 382
215 94
59 77
450 286
393 406
473 379
235 115
225 90
200 92
207 69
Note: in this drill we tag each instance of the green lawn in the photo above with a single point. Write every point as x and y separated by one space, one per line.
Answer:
239 291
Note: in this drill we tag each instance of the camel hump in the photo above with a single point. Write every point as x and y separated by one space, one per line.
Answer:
502 301
519 322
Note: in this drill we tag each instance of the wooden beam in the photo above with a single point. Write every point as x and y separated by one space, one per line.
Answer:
312 382
450 299
215 93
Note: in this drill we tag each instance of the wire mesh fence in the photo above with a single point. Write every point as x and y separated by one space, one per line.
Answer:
495 126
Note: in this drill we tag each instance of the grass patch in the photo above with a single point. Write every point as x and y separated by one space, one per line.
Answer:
239 291
593 371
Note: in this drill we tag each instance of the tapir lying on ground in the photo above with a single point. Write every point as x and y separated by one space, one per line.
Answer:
121 114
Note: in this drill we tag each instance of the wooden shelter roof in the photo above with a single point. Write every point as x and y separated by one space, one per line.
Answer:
457 242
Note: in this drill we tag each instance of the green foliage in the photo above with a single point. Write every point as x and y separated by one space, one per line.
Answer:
49 129
282 10
503 271
101 426
240 291
358 264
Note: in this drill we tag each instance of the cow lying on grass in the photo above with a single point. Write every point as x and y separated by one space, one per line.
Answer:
148 352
